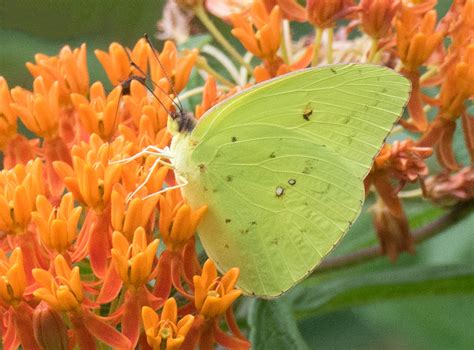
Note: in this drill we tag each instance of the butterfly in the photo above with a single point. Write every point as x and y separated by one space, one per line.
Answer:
281 168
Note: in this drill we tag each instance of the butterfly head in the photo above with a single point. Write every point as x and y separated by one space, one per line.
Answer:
181 122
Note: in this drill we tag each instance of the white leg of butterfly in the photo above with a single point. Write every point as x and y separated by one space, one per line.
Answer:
184 183
149 150
148 176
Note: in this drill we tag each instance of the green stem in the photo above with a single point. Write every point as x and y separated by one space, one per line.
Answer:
457 213
285 42
317 45
330 42
373 51
201 63
206 21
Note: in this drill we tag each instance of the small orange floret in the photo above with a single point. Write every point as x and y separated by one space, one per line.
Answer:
133 261
57 227
213 294
166 332
12 277
178 223
265 41
62 292
7 115
324 13
38 110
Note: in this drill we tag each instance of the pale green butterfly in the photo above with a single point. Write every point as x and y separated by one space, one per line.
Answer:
281 168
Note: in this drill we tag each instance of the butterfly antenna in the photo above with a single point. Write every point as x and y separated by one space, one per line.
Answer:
179 104
156 86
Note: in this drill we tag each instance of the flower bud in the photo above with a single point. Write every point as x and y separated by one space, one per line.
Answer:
49 329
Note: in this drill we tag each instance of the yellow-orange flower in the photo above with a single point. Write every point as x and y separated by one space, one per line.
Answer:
178 69
213 294
177 222
38 110
416 37
100 115
57 227
265 42
133 261
68 70
165 332
91 177
458 86
18 190
12 277
62 292
7 115
117 63
127 217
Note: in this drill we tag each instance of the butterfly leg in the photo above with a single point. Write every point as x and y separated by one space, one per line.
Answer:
149 150
184 183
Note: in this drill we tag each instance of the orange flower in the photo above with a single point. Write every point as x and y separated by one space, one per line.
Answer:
376 16
290 9
7 115
213 294
68 70
177 222
458 85
117 63
127 217
166 332
19 188
57 227
265 42
324 13
63 292
91 177
133 262
177 69
12 277
38 110
416 37
447 190
100 115
392 230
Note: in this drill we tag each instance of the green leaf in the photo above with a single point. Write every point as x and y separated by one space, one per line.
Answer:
318 295
272 326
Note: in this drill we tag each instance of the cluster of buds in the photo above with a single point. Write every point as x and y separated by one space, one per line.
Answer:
80 228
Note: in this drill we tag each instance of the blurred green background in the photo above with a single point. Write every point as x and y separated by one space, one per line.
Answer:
424 301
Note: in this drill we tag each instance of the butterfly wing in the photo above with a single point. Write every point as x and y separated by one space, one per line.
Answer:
281 168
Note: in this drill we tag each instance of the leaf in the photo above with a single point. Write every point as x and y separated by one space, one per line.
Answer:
272 326
317 296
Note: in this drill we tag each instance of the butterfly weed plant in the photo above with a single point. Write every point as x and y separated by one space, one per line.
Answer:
97 246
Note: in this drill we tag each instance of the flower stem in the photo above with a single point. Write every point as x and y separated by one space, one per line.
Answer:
201 63
206 21
330 42
458 213
286 42
373 51
432 71
317 45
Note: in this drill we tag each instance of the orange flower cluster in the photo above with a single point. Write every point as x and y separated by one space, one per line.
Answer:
88 253
79 232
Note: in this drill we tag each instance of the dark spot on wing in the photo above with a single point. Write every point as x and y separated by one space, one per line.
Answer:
226 246
308 111
202 168
274 241
233 139
333 70
384 89
227 221
253 223
307 170
229 178
244 232
292 182
272 155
